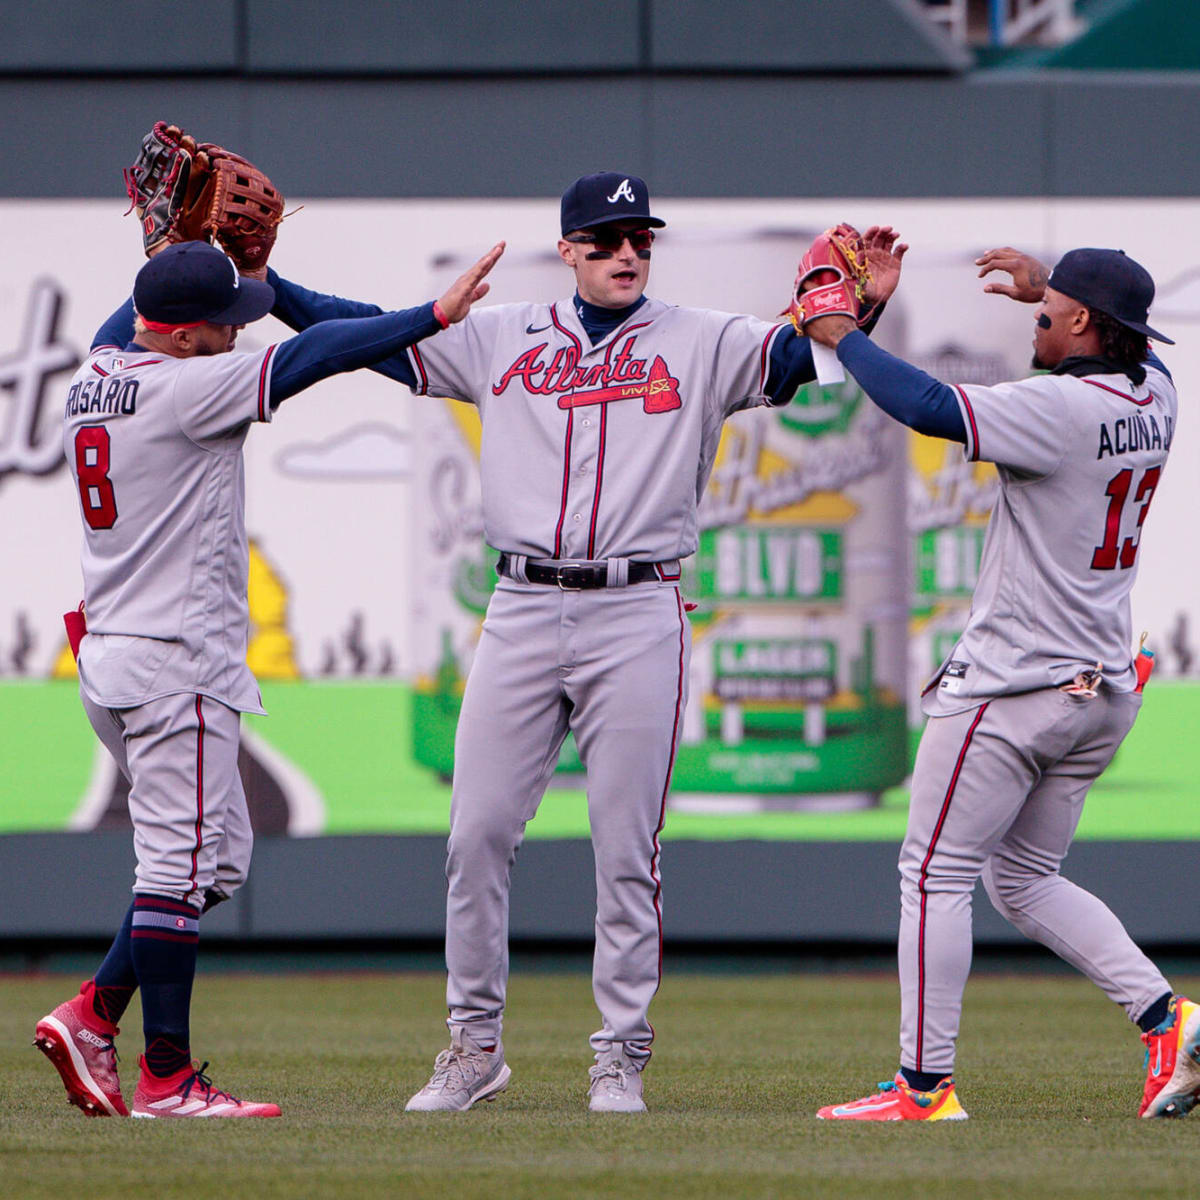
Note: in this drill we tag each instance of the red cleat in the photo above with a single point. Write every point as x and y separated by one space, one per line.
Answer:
1173 1062
83 1055
896 1101
190 1093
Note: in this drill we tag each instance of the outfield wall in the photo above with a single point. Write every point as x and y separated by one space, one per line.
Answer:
393 889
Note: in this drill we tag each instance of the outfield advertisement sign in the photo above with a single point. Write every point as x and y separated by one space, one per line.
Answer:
836 559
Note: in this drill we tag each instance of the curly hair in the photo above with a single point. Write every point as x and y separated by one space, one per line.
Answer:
1118 342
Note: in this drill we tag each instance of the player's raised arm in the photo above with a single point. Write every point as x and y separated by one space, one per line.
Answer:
334 346
900 389
117 330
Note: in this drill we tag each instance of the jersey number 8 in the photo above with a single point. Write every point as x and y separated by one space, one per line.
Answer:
91 468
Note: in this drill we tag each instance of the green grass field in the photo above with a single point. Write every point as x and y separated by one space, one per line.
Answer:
1050 1073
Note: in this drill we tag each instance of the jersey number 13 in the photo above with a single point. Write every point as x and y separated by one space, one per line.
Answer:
1112 552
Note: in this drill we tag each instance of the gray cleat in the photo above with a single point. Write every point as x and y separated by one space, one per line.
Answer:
461 1075
616 1084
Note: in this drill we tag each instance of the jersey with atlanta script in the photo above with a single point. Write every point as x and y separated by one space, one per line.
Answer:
1079 459
597 451
155 446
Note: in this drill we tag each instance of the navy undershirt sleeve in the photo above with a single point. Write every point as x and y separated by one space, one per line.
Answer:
298 308
332 346
791 366
902 390
792 361
118 329
1152 360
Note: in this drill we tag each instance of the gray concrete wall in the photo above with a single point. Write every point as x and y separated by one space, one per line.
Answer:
395 37
806 893
514 98
978 135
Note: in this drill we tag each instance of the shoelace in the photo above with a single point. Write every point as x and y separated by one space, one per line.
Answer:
611 1070
210 1093
110 1047
450 1068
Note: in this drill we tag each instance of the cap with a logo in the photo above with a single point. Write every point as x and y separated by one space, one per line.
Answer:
608 196
191 282
1110 282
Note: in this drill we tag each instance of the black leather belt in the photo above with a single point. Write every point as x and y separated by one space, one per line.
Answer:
576 576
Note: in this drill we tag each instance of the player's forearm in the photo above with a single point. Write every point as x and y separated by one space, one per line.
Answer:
902 390
118 329
298 308
792 363
330 347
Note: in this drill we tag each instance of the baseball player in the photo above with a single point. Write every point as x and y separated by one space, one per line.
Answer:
601 415
153 432
1042 688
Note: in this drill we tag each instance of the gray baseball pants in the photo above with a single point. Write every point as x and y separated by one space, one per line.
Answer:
998 790
191 826
611 665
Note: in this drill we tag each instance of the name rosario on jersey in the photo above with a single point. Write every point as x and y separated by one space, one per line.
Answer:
112 396
619 377
1135 432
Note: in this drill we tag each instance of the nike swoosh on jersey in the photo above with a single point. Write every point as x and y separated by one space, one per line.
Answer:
539 329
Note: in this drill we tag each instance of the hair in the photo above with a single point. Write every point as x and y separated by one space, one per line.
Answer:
1118 342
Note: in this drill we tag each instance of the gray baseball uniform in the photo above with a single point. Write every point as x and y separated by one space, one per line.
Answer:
1011 749
163 670
590 453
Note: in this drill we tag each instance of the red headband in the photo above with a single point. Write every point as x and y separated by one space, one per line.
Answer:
166 327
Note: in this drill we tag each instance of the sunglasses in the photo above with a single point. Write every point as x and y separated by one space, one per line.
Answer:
608 240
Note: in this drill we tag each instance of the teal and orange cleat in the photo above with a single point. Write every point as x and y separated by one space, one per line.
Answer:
1173 1062
896 1101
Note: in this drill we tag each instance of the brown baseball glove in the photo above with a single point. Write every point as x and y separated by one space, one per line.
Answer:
184 190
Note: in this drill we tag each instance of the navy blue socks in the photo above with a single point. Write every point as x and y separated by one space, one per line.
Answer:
164 938
115 981
1155 1015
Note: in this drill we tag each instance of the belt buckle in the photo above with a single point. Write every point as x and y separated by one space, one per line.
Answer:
560 572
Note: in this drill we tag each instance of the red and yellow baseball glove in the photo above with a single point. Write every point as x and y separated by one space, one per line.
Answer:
837 274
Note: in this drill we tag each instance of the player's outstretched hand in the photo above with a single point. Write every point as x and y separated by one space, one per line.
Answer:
884 254
1028 275
469 286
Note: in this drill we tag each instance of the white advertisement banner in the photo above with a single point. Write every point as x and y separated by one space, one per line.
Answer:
330 482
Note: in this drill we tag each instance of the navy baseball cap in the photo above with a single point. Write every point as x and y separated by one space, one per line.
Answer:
1110 282
608 196
191 282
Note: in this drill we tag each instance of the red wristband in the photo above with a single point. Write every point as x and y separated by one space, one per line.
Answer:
439 316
